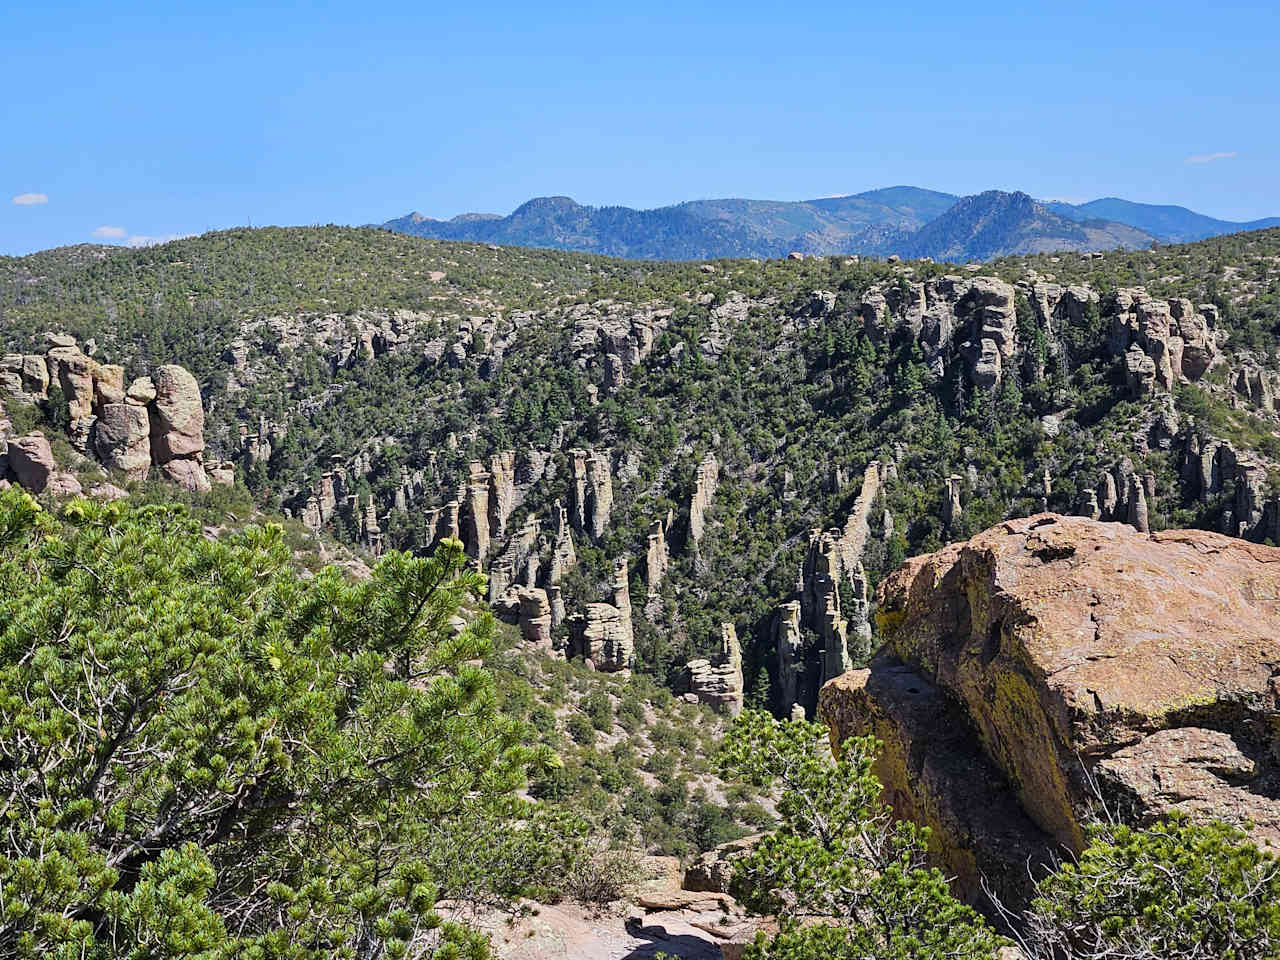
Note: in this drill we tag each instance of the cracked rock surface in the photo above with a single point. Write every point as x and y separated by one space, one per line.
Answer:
1076 661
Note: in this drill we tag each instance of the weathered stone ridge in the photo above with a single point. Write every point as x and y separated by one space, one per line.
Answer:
1073 650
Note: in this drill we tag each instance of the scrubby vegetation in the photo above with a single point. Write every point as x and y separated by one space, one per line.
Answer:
207 755
847 881
784 397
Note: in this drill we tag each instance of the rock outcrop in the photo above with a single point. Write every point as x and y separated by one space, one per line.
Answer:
122 439
794 682
657 554
158 422
952 509
563 555
718 681
820 604
704 491
31 461
177 417
614 338
535 616
602 633
1052 653
502 492
1163 341
828 627
979 311
591 493
1123 496
474 515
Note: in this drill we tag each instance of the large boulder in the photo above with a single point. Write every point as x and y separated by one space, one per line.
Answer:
1053 662
122 439
177 417
188 474
712 871
31 460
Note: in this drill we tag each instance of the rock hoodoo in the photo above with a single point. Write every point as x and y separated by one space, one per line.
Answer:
157 422
1162 341
827 628
704 491
591 493
602 633
658 553
718 681
1051 651
474 515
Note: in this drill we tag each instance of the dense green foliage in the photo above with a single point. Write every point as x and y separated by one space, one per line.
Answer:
635 760
1172 891
839 856
207 755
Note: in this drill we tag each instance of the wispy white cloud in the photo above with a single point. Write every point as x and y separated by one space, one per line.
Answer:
31 199
1211 157
1071 200
110 233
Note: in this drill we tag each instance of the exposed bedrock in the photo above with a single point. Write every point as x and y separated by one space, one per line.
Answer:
1049 654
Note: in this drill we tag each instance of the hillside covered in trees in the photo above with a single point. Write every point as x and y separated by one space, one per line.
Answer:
734 445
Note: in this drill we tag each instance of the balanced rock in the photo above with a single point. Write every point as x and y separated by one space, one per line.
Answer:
142 391
535 616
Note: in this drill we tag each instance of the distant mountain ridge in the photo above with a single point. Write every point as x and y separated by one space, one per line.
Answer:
911 221
1170 224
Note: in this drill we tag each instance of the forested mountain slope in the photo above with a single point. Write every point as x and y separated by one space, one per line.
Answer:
641 453
901 220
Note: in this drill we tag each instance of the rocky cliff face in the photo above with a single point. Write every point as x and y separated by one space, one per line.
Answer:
1051 654
156 423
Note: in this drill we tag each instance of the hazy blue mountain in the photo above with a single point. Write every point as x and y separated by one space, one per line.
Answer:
996 224
872 222
902 219
1170 224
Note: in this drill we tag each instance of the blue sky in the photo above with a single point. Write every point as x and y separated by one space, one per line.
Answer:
144 120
